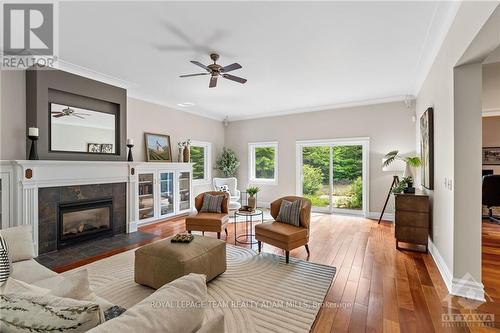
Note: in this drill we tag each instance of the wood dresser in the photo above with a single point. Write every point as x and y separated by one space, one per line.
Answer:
412 219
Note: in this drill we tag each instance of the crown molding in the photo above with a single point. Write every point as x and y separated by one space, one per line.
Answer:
491 112
323 107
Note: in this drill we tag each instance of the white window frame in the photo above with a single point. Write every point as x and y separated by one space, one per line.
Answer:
208 162
361 141
251 162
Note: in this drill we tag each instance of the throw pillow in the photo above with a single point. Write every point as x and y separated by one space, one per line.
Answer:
5 261
175 307
113 312
18 287
20 242
212 203
36 313
290 212
224 188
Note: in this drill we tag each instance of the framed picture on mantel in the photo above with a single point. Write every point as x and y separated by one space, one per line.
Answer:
158 147
427 148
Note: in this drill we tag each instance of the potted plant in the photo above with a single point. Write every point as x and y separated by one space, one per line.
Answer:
228 163
405 185
411 163
252 201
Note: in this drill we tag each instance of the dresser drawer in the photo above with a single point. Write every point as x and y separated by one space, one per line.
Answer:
412 219
412 203
412 234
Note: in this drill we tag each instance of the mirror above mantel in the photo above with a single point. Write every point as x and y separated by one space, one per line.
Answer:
74 129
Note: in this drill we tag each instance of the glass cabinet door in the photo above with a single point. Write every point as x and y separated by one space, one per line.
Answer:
146 196
184 191
166 193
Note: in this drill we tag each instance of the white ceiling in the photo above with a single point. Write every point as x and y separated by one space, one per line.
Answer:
297 56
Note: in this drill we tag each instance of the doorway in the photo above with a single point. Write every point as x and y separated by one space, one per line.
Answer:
333 174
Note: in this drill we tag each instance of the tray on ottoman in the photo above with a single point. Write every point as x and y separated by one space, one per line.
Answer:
160 262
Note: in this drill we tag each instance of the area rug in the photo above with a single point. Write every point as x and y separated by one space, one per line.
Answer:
257 293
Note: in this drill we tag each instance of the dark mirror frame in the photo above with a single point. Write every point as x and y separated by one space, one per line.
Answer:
44 85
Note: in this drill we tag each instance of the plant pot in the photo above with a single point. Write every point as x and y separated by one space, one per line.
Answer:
187 155
252 203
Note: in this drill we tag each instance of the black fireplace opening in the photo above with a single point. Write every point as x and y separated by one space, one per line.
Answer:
84 220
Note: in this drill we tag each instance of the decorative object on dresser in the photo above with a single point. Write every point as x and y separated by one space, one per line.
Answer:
33 135
394 162
186 152
158 147
228 163
412 219
427 148
252 199
130 145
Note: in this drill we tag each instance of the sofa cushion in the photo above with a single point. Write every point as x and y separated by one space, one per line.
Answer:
13 286
74 285
30 271
175 307
281 231
32 313
20 242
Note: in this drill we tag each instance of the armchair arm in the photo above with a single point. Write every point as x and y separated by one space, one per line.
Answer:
237 193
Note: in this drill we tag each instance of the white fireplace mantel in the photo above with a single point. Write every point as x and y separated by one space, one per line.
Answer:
28 176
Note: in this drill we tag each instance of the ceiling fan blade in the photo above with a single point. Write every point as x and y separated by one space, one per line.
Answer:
59 115
231 67
213 81
234 78
201 65
58 112
82 114
189 75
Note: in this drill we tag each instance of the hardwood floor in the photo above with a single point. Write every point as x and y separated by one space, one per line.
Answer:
376 287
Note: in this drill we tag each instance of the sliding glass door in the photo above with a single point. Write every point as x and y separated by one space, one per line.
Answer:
333 174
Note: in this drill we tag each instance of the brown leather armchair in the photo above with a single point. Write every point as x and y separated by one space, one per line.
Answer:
283 235
214 222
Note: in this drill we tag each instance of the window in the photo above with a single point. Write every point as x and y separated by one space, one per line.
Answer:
263 159
201 153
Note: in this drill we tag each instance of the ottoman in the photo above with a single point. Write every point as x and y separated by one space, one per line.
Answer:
160 262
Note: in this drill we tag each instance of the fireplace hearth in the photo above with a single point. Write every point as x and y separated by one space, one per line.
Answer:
83 220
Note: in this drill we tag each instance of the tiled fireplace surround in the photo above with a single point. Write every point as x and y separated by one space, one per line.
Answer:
49 199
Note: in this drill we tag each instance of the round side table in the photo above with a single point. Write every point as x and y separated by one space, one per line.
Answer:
249 220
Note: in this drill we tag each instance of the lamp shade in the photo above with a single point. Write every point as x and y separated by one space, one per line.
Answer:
395 166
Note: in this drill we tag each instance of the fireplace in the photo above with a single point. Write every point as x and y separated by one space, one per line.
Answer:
84 219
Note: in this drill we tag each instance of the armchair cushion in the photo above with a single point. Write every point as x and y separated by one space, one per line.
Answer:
290 212
281 232
209 219
19 242
212 203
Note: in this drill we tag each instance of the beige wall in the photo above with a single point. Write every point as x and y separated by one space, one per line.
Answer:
491 87
141 117
438 91
148 117
389 126
491 137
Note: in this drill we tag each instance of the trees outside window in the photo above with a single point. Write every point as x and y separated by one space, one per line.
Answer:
263 159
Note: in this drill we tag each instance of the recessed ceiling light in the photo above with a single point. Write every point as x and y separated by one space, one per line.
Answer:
185 104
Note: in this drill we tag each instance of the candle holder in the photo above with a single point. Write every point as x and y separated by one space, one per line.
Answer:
130 158
33 151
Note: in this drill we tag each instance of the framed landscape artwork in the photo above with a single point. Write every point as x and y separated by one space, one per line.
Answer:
491 155
427 148
158 147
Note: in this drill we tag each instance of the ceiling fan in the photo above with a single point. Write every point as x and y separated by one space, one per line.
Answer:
68 112
216 70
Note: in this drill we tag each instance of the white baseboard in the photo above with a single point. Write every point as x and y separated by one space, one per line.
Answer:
465 286
376 216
